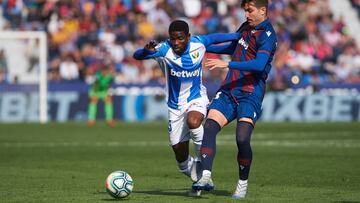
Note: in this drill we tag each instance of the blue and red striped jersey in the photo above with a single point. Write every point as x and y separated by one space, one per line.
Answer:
254 50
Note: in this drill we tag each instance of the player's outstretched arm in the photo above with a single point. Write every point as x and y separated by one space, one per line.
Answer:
257 64
228 48
143 53
149 51
267 45
217 38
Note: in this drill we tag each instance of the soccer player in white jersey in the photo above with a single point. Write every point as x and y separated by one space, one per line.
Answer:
180 58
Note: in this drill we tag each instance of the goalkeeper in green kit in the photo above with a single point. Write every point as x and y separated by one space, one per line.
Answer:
99 90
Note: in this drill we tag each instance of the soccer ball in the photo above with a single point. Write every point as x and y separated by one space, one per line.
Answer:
119 184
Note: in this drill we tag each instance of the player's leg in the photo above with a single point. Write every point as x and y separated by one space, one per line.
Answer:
220 113
182 157
109 110
244 129
196 112
179 140
194 122
248 112
92 108
208 149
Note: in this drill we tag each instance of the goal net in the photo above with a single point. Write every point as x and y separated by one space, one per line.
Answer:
23 76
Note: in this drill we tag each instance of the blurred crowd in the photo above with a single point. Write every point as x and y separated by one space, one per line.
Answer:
84 35
356 5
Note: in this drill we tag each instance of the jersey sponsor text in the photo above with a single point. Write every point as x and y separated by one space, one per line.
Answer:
185 74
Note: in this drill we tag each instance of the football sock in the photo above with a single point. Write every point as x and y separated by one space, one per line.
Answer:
206 173
197 148
244 157
208 148
185 166
197 136
92 111
108 111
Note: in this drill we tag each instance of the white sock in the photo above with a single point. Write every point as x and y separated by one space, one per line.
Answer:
206 173
185 166
197 152
197 136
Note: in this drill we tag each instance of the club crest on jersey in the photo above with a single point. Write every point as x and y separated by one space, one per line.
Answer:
195 55
243 43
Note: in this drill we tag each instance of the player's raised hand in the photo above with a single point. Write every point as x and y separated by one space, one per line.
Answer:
215 63
151 45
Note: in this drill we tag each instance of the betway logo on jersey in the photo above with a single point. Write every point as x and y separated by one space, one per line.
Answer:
243 43
185 74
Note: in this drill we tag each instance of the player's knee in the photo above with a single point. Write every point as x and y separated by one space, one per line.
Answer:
242 139
194 123
243 132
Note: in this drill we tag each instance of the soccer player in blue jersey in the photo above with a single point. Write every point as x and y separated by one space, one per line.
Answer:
180 58
241 94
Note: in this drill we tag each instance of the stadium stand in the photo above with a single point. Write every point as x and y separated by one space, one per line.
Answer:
356 5
314 48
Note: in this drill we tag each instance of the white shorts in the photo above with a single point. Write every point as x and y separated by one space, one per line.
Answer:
177 126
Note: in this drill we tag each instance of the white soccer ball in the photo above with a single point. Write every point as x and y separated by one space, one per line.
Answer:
119 184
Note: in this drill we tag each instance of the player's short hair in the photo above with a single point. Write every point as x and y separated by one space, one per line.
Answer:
257 3
179 25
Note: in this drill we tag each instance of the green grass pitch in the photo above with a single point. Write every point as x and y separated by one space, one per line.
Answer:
69 162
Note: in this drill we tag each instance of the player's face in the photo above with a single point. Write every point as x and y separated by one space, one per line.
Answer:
253 14
179 41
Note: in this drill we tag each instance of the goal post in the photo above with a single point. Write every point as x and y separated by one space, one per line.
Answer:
42 63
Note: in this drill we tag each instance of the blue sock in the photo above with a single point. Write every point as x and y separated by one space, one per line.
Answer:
244 157
208 146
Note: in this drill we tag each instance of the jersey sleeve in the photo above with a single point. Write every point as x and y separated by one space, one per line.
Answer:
266 47
143 53
267 42
256 65
216 38
228 48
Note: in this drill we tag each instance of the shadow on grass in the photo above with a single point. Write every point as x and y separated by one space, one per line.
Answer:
183 192
117 200
180 192
111 199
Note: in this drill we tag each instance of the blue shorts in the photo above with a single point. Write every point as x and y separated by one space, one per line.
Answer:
246 105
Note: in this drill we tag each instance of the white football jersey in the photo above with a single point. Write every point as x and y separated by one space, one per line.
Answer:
183 73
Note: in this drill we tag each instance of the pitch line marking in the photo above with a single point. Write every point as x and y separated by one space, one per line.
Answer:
264 143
